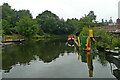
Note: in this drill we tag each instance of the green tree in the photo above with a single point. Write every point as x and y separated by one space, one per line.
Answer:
105 39
6 12
6 26
91 16
84 22
47 14
40 31
22 13
27 26
72 25
85 31
9 14
48 21
12 15
116 42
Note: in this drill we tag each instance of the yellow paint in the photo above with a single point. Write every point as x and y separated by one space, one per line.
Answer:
8 39
88 45
88 59
88 41
90 33
78 42
89 64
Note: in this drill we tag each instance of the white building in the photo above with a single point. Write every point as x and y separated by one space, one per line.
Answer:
119 9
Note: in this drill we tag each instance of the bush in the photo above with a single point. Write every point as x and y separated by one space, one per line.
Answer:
116 42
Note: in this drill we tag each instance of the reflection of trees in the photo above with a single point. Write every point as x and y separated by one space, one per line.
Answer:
87 57
23 54
112 60
51 50
102 58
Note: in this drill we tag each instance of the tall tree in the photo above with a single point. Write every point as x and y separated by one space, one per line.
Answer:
48 21
72 25
91 16
12 15
27 26
6 27
22 13
84 22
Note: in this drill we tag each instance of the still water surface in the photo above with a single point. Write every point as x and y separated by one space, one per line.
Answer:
52 59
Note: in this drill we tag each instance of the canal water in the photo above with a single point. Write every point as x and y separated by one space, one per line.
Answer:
52 58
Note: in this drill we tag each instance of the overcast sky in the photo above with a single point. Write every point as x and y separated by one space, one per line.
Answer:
104 9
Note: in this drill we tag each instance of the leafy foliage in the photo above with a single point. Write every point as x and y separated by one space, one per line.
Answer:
12 16
27 27
87 21
85 31
50 23
6 26
116 42
91 16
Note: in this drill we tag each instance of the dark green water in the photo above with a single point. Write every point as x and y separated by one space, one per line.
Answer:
52 59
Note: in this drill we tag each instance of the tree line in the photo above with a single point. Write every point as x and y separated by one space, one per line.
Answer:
22 22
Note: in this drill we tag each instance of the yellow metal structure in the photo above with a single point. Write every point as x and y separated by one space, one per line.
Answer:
78 41
89 64
75 41
88 45
85 42
90 33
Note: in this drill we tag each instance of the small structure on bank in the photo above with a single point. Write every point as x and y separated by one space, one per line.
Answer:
13 38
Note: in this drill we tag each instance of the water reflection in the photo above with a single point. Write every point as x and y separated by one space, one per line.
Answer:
114 61
86 57
46 50
51 51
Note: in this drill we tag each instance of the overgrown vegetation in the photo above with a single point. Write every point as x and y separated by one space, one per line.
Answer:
104 39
